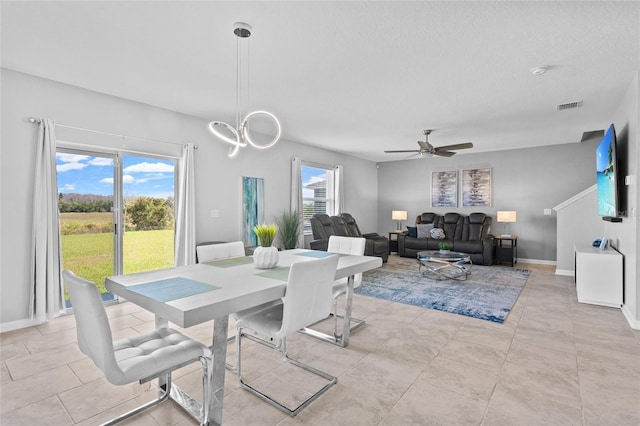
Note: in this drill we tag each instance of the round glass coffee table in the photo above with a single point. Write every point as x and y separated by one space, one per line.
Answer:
444 265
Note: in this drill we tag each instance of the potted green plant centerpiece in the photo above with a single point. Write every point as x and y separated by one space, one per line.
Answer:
265 256
289 229
445 247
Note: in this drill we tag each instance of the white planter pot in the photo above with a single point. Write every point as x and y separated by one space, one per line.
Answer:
265 257
444 251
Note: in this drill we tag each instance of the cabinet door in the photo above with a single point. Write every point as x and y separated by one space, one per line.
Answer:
599 278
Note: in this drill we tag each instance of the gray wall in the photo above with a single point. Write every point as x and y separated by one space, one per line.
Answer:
526 180
218 178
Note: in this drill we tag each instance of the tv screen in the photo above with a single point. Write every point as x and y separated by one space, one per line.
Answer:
606 175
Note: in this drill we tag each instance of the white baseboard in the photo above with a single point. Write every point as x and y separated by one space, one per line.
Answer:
634 323
537 261
23 323
566 272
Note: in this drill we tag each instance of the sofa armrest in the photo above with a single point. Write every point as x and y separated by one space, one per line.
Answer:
370 235
401 239
488 250
319 245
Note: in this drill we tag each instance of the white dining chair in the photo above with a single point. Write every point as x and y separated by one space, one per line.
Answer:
210 252
307 300
139 358
345 245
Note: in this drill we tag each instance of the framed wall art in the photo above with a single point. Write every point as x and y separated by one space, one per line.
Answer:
476 188
444 189
252 208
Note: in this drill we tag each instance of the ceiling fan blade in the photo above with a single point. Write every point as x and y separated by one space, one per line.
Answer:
444 153
402 150
417 154
456 146
426 146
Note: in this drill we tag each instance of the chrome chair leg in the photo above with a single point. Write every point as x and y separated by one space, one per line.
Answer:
283 347
166 391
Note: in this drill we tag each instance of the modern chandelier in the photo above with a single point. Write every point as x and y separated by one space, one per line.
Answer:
241 131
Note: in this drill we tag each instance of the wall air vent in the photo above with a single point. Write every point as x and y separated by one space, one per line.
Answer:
569 105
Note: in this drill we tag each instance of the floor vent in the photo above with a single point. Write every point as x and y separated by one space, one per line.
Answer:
569 105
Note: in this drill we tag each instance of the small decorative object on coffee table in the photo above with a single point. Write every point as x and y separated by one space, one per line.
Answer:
265 256
452 265
445 247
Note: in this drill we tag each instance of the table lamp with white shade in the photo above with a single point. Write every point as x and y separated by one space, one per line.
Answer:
506 217
399 215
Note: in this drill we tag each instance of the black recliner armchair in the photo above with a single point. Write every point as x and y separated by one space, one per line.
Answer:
323 226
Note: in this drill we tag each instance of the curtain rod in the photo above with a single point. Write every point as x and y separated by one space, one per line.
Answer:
34 120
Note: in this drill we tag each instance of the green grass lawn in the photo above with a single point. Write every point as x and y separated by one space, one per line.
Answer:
91 255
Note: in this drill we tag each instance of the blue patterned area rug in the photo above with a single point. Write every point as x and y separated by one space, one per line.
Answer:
488 293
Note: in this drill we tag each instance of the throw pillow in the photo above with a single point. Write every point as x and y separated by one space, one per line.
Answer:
413 231
437 234
424 230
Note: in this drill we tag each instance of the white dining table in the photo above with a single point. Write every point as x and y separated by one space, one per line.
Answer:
190 295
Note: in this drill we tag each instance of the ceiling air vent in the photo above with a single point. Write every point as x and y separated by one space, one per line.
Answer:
569 105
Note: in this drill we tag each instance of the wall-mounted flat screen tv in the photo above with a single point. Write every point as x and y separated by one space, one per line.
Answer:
606 175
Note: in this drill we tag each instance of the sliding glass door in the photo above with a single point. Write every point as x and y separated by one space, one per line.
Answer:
88 215
148 200
116 213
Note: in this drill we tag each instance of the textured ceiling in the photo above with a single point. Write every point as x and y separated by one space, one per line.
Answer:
355 77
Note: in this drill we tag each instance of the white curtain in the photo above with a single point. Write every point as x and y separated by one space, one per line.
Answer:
46 292
296 194
185 241
339 189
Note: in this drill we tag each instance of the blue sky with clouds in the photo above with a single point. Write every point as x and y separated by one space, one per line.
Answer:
86 174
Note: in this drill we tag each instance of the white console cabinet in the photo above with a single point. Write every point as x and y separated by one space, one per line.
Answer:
599 276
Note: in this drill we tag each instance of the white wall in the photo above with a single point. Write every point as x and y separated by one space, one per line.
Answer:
626 232
218 178
574 227
526 180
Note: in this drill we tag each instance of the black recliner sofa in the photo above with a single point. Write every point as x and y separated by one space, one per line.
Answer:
468 234
323 226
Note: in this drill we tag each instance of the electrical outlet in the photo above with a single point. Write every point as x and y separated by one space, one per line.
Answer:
547 212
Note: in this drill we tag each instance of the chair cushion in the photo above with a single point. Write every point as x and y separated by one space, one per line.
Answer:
146 355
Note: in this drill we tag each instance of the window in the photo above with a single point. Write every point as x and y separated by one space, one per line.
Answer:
319 189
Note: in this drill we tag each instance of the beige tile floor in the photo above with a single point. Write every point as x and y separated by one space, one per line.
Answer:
553 362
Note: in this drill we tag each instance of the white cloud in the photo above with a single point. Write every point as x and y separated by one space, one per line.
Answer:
68 187
71 158
107 180
101 161
128 179
61 168
145 167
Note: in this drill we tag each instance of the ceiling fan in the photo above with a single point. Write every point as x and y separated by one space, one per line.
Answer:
426 149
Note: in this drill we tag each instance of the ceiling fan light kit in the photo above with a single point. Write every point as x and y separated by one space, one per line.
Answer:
240 133
428 150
